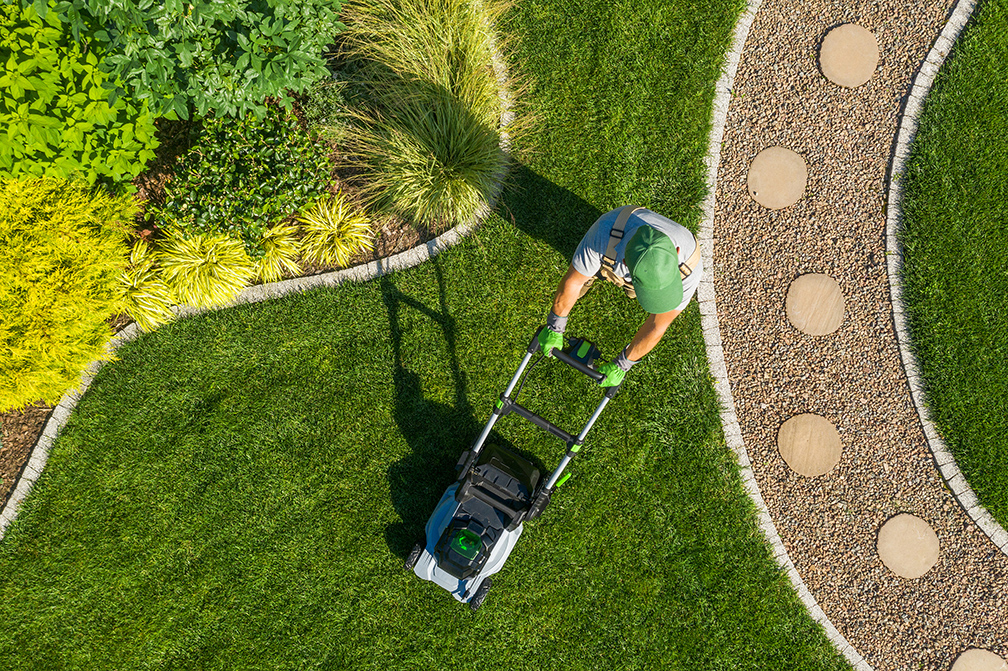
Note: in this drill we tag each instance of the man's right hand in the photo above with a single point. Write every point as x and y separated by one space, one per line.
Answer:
548 339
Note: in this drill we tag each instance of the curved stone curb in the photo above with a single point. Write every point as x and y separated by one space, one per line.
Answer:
715 351
901 152
262 292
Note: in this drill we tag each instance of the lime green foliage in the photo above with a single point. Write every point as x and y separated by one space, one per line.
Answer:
429 147
53 106
144 294
955 241
222 56
204 270
334 231
280 245
62 247
241 177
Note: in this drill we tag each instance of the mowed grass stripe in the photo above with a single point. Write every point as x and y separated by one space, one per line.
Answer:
239 490
955 274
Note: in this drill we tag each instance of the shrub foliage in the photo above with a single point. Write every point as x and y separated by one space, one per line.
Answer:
62 249
226 56
54 106
241 177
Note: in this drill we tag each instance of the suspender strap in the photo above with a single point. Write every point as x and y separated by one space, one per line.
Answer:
616 234
687 266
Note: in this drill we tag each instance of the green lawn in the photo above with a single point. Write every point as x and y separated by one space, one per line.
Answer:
239 489
956 240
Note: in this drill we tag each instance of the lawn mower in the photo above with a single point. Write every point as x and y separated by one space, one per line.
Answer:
478 520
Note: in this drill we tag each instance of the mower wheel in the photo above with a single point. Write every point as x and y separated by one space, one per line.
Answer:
480 595
413 556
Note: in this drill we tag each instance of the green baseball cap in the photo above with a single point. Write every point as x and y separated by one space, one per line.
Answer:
653 261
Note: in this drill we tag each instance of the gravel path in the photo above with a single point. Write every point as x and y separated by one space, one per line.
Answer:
853 377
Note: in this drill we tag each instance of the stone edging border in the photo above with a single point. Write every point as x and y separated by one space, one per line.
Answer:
368 271
715 351
894 260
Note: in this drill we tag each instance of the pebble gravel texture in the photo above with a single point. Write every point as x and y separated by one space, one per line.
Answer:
852 377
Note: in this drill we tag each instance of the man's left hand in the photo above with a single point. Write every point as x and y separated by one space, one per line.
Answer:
614 374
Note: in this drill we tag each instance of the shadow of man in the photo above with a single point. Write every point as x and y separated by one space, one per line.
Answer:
437 433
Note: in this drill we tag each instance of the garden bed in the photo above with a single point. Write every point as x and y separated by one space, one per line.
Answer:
392 234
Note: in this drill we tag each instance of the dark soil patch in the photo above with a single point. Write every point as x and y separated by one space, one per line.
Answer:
19 431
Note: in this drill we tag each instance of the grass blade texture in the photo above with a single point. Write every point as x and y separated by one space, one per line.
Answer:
430 145
240 489
955 241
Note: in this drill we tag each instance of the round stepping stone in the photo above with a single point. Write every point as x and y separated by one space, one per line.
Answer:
777 178
907 545
809 444
848 55
975 659
815 304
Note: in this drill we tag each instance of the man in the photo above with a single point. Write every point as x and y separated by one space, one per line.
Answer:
654 259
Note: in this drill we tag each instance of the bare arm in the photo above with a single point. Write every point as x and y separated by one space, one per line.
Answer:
568 292
649 334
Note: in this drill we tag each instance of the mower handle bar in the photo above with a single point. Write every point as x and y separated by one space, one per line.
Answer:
567 359
577 365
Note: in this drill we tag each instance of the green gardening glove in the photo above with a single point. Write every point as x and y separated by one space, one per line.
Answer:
548 339
614 374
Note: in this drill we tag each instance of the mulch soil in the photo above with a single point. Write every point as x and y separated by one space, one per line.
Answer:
19 431
853 377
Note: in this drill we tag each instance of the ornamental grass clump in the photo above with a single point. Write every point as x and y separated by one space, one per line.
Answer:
333 232
280 249
62 250
427 143
144 295
204 270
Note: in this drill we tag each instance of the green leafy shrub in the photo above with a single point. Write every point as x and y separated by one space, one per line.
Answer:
222 56
204 270
241 177
54 110
280 245
429 146
333 232
62 249
144 295
326 109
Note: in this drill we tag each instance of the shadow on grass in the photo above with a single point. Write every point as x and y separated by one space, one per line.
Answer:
545 211
437 433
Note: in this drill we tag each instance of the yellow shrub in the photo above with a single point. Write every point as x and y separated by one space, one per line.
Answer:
62 249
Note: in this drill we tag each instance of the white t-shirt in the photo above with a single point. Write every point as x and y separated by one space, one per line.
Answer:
592 248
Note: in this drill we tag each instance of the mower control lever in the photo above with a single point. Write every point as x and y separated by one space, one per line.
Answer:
566 358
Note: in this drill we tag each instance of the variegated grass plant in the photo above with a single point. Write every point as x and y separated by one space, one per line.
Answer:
428 147
334 231
145 296
204 270
280 247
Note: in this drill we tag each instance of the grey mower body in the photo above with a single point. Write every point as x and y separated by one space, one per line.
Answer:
477 522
